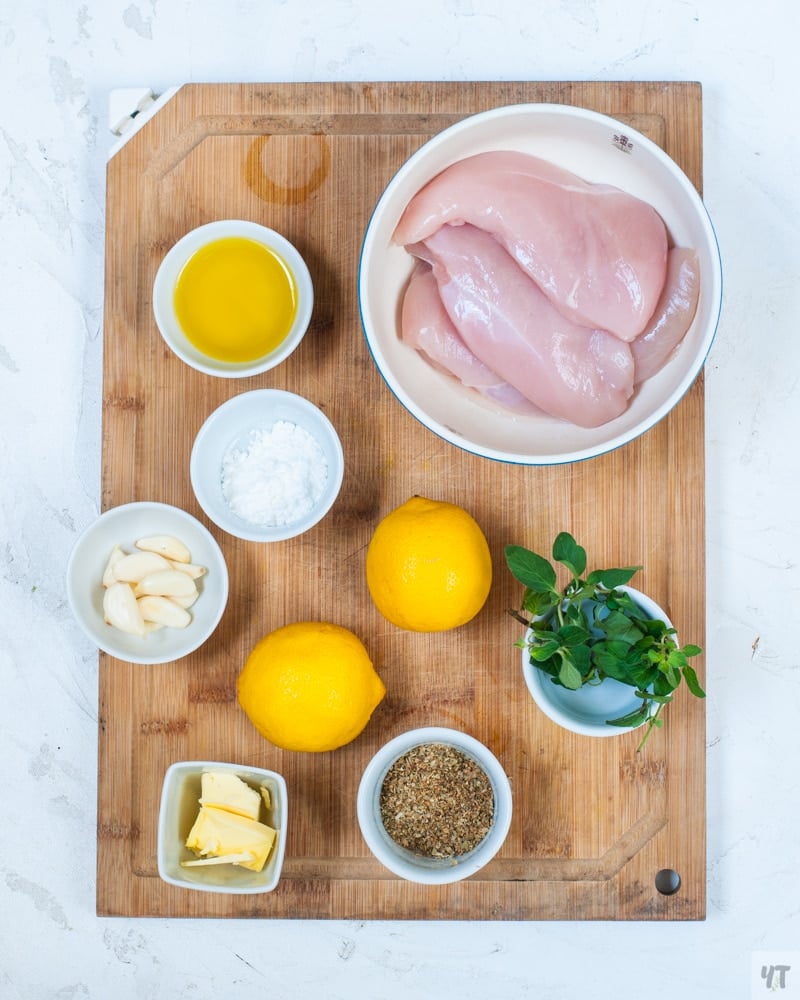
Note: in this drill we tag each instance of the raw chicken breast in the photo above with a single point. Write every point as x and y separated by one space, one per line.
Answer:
572 372
598 253
673 315
425 325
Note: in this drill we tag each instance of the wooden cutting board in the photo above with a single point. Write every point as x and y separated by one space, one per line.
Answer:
593 821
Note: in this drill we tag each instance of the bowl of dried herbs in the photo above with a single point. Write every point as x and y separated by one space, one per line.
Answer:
434 805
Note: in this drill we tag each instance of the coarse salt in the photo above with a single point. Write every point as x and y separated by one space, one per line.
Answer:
278 476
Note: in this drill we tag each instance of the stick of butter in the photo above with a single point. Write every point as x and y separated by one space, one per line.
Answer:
225 790
227 828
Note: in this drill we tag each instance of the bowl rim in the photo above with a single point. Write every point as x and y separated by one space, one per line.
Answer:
260 774
109 647
398 860
712 284
318 424
178 255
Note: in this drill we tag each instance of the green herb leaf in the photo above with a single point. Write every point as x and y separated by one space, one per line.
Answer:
581 656
660 684
611 578
532 570
573 635
635 718
676 659
540 604
567 551
611 665
618 627
692 682
673 675
570 676
550 667
660 699
544 650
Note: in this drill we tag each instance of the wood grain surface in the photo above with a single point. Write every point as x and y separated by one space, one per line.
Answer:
593 821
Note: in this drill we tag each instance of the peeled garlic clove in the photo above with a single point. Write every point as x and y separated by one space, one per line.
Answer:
108 573
133 568
166 583
163 611
167 546
192 569
185 601
121 610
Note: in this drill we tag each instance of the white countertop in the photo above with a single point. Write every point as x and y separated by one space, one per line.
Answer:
58 62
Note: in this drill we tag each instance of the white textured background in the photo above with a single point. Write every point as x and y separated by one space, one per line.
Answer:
58 62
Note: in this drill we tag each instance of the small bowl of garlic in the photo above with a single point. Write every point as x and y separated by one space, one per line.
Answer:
147 582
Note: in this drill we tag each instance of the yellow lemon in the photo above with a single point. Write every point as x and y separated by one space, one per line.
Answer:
429 568
309 686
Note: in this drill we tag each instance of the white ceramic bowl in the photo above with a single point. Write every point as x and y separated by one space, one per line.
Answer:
171 267
122 526
230 426
586 710
402 862
179 807
581 141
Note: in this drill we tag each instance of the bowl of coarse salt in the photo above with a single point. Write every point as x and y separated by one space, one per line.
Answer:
266 465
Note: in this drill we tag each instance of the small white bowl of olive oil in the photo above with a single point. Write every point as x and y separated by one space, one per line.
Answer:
233 298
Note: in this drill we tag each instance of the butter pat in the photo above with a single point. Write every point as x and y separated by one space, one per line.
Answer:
218 833
224 790
227 829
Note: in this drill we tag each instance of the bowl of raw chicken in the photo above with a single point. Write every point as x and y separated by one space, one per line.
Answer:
539 284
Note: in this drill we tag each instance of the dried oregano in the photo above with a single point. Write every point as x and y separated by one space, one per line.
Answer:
436 801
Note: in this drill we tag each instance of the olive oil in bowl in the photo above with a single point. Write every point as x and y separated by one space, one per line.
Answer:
235 299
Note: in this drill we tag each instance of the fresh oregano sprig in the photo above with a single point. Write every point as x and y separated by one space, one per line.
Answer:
588 630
